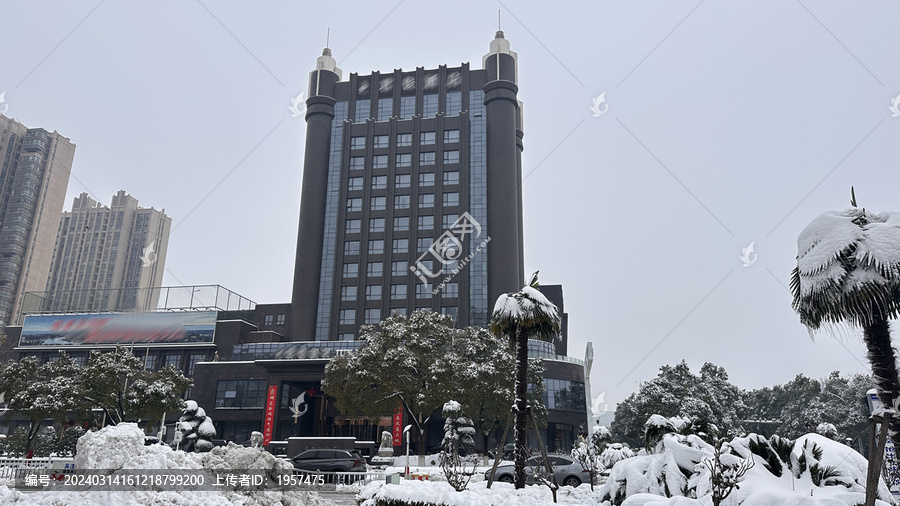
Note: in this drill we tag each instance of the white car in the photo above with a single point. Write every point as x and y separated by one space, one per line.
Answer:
568 472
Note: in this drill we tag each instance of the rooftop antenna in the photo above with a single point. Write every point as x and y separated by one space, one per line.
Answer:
498 20
328 37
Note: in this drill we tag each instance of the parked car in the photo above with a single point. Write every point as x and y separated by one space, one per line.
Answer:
330 460
509 451
567 470
432 450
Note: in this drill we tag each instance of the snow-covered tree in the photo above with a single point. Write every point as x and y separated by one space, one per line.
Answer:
848 271
418 362
521 316
41 391
117 383
483 367
676 391
780 409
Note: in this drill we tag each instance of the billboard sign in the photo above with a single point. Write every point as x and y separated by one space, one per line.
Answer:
118 328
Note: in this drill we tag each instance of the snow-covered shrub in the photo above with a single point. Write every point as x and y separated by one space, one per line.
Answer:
45 444
828 430
587 451
765 450
14 444
458 431
614 452
67 442
726 470
815 465
658 426
664 472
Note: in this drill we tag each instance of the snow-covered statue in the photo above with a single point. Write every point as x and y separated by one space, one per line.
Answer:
256 439
387 445
196 429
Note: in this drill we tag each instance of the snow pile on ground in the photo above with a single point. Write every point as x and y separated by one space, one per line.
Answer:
425 492
813 469
122 447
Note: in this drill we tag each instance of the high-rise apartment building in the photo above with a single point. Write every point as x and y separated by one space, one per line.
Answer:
34 174
108 258
411 195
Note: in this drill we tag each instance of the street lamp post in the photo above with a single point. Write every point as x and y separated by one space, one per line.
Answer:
406 431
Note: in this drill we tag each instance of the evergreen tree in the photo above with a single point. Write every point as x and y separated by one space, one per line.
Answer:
41 391
799 406
420 361
117 383
676 392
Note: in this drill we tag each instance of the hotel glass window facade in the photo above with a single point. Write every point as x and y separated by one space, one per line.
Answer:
241 393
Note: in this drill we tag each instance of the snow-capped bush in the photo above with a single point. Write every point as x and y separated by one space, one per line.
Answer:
613 453
828 430
783 470
458 431
46 443
587 451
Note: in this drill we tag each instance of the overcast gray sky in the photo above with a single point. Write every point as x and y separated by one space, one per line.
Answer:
727 122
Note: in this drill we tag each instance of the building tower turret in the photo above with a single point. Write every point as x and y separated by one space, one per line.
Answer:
504 172
308 263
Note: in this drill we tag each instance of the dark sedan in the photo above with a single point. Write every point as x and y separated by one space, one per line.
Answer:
330 460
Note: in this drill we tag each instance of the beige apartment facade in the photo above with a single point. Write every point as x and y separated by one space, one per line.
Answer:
34 174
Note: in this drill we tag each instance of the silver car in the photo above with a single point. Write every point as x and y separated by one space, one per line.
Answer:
567 470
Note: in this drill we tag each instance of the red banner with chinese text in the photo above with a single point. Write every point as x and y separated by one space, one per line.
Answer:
398 426
271 404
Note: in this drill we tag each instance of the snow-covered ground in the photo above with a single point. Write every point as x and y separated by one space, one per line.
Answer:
121 448
476 494
676 468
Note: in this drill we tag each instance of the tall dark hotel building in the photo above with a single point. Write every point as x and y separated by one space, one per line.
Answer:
411 199
406 176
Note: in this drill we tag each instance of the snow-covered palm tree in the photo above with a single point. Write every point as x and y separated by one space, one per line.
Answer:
522 315
848 270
